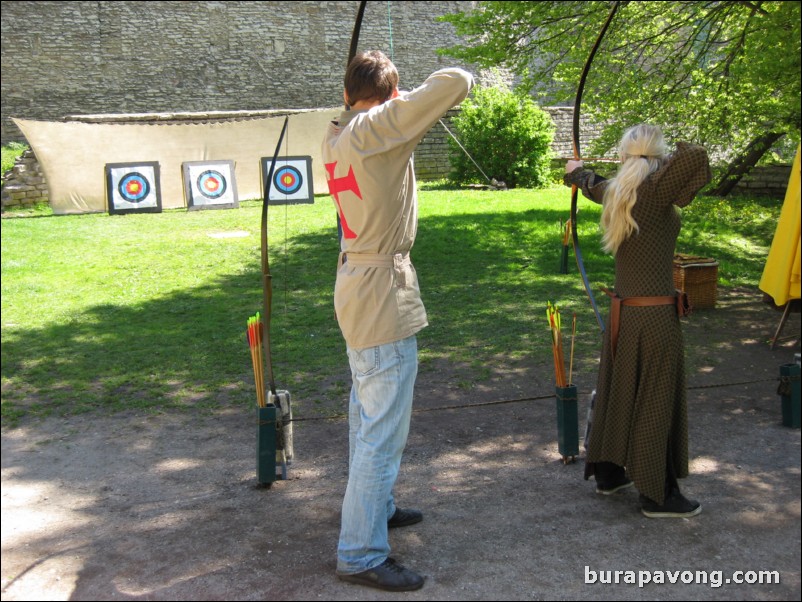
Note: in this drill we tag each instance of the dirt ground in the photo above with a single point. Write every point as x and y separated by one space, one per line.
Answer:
143 507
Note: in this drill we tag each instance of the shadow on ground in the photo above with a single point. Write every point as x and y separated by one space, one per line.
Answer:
165 507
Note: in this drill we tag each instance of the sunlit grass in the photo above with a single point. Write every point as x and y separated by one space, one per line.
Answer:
148 311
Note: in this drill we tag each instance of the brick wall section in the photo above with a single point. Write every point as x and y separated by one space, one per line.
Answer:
431 155
25 184
769 180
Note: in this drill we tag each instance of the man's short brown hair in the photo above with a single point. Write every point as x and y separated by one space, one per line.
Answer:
370 76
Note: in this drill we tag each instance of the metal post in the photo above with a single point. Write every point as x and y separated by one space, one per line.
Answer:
789 390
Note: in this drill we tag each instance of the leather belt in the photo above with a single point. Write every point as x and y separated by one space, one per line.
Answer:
678 299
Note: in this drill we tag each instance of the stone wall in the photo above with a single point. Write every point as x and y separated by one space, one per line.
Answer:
77 57
63 58
563 118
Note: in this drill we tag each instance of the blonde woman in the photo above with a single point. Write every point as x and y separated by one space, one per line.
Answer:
640 426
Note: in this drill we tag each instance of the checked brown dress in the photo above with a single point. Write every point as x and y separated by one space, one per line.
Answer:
640 414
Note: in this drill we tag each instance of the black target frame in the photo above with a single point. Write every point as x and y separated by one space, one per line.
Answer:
192 171
119 201
302 165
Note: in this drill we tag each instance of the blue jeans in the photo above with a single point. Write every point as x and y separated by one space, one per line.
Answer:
379 413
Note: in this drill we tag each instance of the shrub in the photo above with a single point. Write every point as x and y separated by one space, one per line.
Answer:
507 134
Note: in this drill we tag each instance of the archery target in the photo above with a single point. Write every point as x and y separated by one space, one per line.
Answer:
133 187
288 180
210 184
291 182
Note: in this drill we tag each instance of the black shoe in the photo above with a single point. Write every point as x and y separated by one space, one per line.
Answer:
402 518
389 576
674 506
610 487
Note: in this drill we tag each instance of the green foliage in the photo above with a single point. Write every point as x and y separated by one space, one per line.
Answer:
10 154
718 73
507 134
782 153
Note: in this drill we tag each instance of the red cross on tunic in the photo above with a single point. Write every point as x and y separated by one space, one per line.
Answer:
338 185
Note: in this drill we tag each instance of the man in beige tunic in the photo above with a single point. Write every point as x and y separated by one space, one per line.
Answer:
368 158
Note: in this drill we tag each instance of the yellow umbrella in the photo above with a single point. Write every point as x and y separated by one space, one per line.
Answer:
781 276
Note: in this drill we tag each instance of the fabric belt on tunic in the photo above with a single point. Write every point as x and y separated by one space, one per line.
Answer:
679 299
397 261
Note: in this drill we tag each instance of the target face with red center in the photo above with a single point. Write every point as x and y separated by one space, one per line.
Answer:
288 180
210 185
133 187
292 180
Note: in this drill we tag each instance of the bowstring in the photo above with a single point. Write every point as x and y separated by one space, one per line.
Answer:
442 123
286 226
390 28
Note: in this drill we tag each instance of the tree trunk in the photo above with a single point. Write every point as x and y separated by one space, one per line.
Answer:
744 162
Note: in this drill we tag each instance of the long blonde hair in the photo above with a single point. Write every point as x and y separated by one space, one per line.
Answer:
642 151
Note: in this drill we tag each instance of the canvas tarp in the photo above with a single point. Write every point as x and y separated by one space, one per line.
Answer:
73 154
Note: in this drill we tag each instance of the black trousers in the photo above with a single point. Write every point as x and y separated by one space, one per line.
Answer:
607 472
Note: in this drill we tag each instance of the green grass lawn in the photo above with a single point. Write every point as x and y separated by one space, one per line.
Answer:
149 311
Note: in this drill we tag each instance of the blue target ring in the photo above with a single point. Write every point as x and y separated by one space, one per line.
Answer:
134 187
288 180
212 184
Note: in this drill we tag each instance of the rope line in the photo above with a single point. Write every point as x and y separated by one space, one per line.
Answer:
522 399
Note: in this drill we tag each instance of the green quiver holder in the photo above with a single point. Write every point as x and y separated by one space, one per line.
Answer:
567 423
274 444
789 391
266 445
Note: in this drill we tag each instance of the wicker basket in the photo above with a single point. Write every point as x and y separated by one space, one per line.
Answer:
698 278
